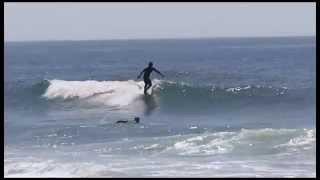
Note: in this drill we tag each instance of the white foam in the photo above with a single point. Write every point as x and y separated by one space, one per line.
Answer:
245 141
306 140
107 160
113 93
50 168
208 144
153 146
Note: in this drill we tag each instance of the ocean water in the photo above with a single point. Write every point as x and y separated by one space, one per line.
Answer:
227 107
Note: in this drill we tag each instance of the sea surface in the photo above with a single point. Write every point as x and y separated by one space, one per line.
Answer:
227 107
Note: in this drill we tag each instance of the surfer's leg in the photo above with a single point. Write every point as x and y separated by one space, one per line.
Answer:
148 84
145 88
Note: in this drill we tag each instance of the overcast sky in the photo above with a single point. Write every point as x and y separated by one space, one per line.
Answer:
99 21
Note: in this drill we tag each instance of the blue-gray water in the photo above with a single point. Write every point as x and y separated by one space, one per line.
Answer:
226 108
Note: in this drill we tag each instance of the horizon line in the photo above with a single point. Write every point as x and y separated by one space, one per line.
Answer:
166 38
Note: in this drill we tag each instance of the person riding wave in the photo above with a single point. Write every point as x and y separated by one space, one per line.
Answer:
146 76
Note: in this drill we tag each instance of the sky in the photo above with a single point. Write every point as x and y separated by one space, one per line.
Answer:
105 20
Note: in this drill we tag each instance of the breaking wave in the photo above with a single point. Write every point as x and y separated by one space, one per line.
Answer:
282 144
170 94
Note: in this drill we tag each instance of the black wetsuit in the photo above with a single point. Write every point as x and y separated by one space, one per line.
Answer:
146 75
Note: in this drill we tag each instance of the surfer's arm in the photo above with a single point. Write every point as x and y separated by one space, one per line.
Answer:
141 73
158 72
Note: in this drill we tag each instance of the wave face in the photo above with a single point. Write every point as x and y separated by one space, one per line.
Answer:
112 93
123 93
120 99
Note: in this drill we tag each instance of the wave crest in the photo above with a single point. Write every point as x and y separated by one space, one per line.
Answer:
118 93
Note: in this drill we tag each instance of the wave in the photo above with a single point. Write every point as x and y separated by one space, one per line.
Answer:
276 148
248 142
128 90
113 93
243 142
167 93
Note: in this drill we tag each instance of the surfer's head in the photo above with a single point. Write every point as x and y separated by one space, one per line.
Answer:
137 119
150 64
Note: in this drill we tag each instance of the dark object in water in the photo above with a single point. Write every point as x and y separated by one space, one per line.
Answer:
136 119
121 121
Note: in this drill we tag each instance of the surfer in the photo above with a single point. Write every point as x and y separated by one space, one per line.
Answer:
136 119
146 76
